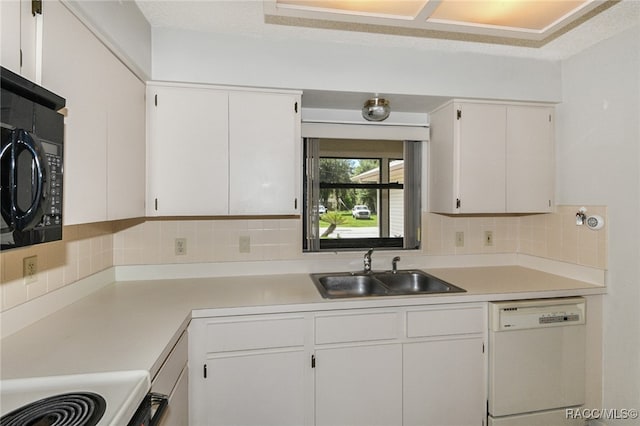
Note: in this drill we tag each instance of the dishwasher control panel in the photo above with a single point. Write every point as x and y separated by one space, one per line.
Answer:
538 313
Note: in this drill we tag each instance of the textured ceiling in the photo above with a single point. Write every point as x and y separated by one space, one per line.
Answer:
246 18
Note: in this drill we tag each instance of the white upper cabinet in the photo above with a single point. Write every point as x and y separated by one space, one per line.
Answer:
188 151
488 157
125 144
530 159
10 34
104 122
264 140
73 64
215 151
20 38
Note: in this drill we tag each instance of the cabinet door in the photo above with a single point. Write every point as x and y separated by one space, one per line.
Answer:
10 34
125 145
256 371
481 140
20 37
75 65
443 162
530 153
30 41
443 383
187 152
359 386
256 389
264 157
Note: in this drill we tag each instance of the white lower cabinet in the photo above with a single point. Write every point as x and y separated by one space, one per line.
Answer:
445 365
359 385
248 371
258 388
421 365
358 368
443 382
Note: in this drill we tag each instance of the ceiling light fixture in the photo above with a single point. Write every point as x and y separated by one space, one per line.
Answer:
376 109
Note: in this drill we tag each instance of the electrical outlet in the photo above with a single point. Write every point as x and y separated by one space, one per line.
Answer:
30 269
459 239
488 238
181 246
244 243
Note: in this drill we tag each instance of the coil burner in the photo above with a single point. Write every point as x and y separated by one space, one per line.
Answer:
69 409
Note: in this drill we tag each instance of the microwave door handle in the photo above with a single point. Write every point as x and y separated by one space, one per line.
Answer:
6 206
23 221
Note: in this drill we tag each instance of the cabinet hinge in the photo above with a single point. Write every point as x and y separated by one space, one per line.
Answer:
155 100
204 371
459 114
313 361
295 107
458 203
36 7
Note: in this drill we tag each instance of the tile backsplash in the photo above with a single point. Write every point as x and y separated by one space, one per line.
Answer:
153 242
84 250
553 236
87 249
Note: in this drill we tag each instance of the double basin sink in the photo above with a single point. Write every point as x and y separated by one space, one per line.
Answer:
388 283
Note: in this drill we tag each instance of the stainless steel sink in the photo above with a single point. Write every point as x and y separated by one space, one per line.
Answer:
409 282
352 284
333 286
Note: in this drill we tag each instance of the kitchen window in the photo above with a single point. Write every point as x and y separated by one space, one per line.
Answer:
361 194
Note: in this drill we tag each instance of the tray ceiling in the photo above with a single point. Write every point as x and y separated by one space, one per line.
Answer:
523 22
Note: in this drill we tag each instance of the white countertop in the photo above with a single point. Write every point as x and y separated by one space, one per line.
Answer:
132 325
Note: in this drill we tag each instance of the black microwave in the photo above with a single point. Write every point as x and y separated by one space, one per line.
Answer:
31 163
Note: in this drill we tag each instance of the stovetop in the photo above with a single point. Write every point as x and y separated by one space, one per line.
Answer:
112 398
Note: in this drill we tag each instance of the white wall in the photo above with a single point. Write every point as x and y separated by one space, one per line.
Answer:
598 162
180 55
122 27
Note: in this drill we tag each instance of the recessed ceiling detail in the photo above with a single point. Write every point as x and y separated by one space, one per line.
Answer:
528 20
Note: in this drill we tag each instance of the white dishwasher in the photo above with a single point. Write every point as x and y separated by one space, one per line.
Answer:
536 361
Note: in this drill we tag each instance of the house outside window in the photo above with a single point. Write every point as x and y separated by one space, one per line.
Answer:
361 194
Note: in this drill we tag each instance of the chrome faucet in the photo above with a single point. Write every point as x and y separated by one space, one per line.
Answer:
394 264
367 261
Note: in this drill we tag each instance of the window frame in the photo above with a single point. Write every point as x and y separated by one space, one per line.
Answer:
311 185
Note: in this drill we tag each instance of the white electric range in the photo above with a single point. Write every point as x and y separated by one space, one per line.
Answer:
100 399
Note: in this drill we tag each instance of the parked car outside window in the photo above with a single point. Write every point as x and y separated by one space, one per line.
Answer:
322 209
361 212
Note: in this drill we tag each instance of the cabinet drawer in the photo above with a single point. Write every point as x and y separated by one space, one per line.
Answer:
356 328
255 333
445 321
170 371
